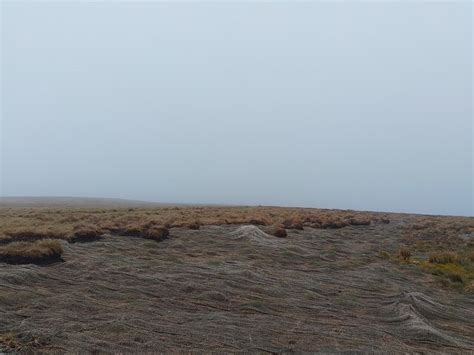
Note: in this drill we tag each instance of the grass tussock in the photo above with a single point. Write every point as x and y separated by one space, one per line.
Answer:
194 226
85 233
359 222
39 252
26 234
294 222
335 224
278 232
443 257
149 230
156 233
469 288
404 253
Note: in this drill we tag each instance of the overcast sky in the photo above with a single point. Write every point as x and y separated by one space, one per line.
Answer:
343 105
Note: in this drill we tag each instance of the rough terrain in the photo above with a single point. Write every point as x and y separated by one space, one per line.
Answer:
236 288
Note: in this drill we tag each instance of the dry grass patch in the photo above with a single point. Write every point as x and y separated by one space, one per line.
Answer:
443 257
294 222
359 222
148 230
334 224
31 234
39 252
277 231
85 233
41 223
193 226
156 233
404 253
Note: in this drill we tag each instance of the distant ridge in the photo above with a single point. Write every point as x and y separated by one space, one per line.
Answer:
65 201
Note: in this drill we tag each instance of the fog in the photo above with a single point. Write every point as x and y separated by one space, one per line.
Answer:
336 105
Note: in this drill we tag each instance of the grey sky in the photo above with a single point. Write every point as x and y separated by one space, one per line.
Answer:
342 105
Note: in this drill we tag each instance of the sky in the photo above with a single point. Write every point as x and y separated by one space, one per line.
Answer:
350 105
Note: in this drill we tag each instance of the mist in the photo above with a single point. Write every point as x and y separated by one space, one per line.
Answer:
362 106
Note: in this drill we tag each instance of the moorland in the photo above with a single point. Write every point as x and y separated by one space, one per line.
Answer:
124 277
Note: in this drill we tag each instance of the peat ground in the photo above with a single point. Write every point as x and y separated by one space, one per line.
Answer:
235 288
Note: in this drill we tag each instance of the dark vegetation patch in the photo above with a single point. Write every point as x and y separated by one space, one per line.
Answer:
194 226
295 222
334 224
277 231
258 222
133 231
359 222
156 233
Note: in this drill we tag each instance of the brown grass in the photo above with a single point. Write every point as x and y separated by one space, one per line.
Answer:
39 252
156 233
85 233
267 279
82 224
334 224
194 225
404 253
278 232
35 234
443 257
294 222
359 221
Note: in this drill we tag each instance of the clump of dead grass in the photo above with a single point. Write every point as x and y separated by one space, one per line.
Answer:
404 253
27 234
294 222
85 233
444 257
359 221
470 288
334 224
39 252
278 232
193 226
156 233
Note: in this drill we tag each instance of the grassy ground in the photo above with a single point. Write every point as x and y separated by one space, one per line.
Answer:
261 279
